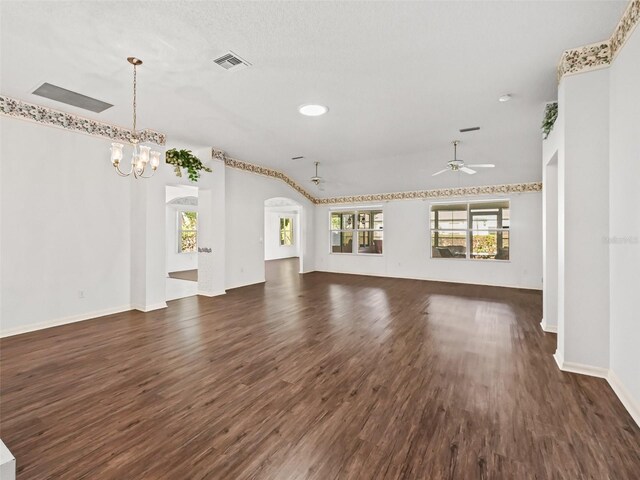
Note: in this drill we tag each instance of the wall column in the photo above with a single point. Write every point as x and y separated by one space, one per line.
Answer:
583 213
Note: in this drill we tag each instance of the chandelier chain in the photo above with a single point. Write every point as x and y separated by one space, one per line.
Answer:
134 98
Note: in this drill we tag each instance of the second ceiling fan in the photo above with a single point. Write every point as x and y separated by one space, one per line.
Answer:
456 165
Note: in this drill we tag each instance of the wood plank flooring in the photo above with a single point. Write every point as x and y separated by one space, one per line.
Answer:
321 376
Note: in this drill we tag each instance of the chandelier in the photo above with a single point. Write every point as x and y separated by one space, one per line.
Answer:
142 155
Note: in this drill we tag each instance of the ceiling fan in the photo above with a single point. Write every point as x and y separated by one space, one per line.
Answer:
459 165
317 180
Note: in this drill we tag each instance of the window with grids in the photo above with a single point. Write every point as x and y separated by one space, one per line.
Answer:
357 231
478 230
286 232
187 232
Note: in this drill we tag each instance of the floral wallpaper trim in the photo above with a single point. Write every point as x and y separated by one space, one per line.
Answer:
601 54
12 107
269 172
589 57
376 197
628 22
436 193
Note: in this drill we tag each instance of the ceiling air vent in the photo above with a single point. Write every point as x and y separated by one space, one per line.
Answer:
297 158
470 129
63 95
231 61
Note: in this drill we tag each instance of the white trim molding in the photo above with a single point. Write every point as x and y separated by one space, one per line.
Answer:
580 368
607 374
64 321
14 108
548 328
211 294
631 404
152 307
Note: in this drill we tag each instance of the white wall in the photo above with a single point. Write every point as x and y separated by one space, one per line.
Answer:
65 220
272 248
583 172
624 221
407 250
245 196
149 231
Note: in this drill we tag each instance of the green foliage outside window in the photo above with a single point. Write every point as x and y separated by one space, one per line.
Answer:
188 232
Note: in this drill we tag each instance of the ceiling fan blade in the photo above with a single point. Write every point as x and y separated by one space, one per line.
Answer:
482 165
441 171
467 170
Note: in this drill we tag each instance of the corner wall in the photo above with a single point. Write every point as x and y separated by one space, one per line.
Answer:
624 223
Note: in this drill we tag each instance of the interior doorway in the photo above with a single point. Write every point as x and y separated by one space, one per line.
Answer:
283 230
181 241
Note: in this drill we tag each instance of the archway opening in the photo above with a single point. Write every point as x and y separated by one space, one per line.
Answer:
283 235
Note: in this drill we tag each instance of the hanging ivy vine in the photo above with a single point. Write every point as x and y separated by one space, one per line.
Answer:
185 159
550 116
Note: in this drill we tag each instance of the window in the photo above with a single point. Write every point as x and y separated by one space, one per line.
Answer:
478 230
363 226
187 232
286 232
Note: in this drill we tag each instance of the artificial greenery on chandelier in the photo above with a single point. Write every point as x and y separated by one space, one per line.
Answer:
185 159
550 116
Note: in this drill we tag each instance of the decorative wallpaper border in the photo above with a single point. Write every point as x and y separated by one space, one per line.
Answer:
582 59
435 193
377 197
257 169
601 54
12 107
630 18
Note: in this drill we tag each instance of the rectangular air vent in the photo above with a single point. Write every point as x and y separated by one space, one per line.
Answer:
231 61
297 158
470 129
63 95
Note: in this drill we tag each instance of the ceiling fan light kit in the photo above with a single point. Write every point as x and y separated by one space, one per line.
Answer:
316 179
457 165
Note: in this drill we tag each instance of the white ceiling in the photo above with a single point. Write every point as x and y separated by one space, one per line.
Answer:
399 78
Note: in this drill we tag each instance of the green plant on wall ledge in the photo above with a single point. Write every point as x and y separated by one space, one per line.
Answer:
185 159
550 115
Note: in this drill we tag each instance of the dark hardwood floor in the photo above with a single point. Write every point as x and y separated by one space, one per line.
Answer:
321 376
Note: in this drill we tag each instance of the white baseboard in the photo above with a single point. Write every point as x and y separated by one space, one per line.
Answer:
211 294
548 328
63 321
426 279
581 368
150 308
631 404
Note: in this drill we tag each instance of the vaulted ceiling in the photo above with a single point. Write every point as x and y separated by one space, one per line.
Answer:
400 79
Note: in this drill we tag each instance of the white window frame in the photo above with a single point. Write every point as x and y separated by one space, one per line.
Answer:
180 230
280 218
355 231
469 230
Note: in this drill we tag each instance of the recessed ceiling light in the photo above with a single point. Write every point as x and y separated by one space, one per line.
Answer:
505 98
312 110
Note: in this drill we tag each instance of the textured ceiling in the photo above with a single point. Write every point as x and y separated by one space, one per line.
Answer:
399 78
